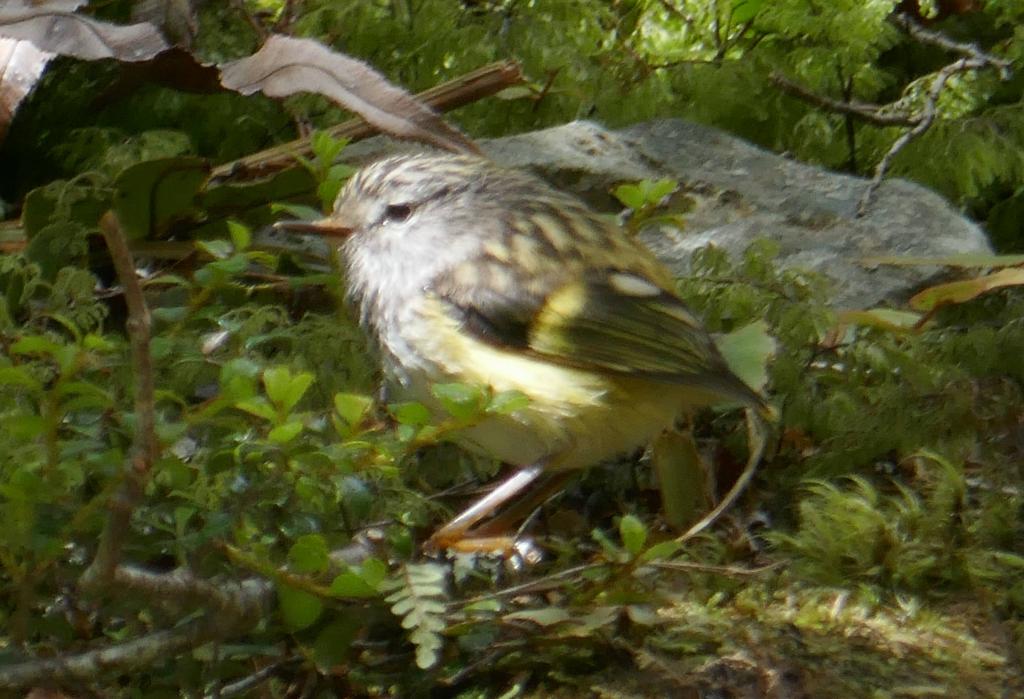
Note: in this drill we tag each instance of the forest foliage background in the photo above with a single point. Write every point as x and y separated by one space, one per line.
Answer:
883 534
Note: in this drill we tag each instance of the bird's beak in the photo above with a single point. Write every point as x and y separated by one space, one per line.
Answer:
326 227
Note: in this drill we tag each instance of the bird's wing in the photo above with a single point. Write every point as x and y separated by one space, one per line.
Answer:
606 319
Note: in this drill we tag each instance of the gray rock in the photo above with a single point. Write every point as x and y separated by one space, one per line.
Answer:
743 193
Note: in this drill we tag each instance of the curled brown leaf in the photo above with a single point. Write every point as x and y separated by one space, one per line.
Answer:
285 66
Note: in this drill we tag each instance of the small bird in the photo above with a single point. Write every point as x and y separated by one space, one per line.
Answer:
465 271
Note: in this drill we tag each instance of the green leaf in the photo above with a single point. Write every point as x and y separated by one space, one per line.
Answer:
611 550
633 533
24 426
373 571
284 389
19 376
84 388
327 192
230 266
661 550
152 195
682 477
418 599
333 642
350 584
257 406
98 343
299 211
410 414
745 10
883 318
657 190
326 147
238 379
282 434
35 344
309 554
518 92
217 249
352 407
356 496
630 196
747 351
299 609
170 314
241 235
461 401
548 616
508 402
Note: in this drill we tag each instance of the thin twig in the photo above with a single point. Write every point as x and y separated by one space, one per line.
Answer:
144 443
887 114
731 571
757 437
876 114
533 585
928 36
928 114
234 606
973 59
254 680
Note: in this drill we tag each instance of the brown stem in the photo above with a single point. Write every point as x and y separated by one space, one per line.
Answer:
144 444
463 90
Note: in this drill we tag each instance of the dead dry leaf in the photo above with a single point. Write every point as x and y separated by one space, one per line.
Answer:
53 25
21 64
285 66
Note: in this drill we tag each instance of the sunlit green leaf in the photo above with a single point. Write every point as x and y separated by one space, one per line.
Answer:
461 401
285 389
633 533
747 352
308 554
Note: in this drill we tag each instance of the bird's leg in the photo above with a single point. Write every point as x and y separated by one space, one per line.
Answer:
520 510
457 535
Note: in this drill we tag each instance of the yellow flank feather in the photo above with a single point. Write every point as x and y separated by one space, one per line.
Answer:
567 302
580 416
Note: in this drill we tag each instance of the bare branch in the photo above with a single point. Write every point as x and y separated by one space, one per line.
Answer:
254 680
928 114
877 114
233 607
887 115
927 36
121 657
144 444
973 59
228 600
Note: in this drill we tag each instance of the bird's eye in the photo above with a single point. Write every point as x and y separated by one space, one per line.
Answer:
396 213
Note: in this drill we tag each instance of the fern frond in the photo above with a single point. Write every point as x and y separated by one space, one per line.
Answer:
418 598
